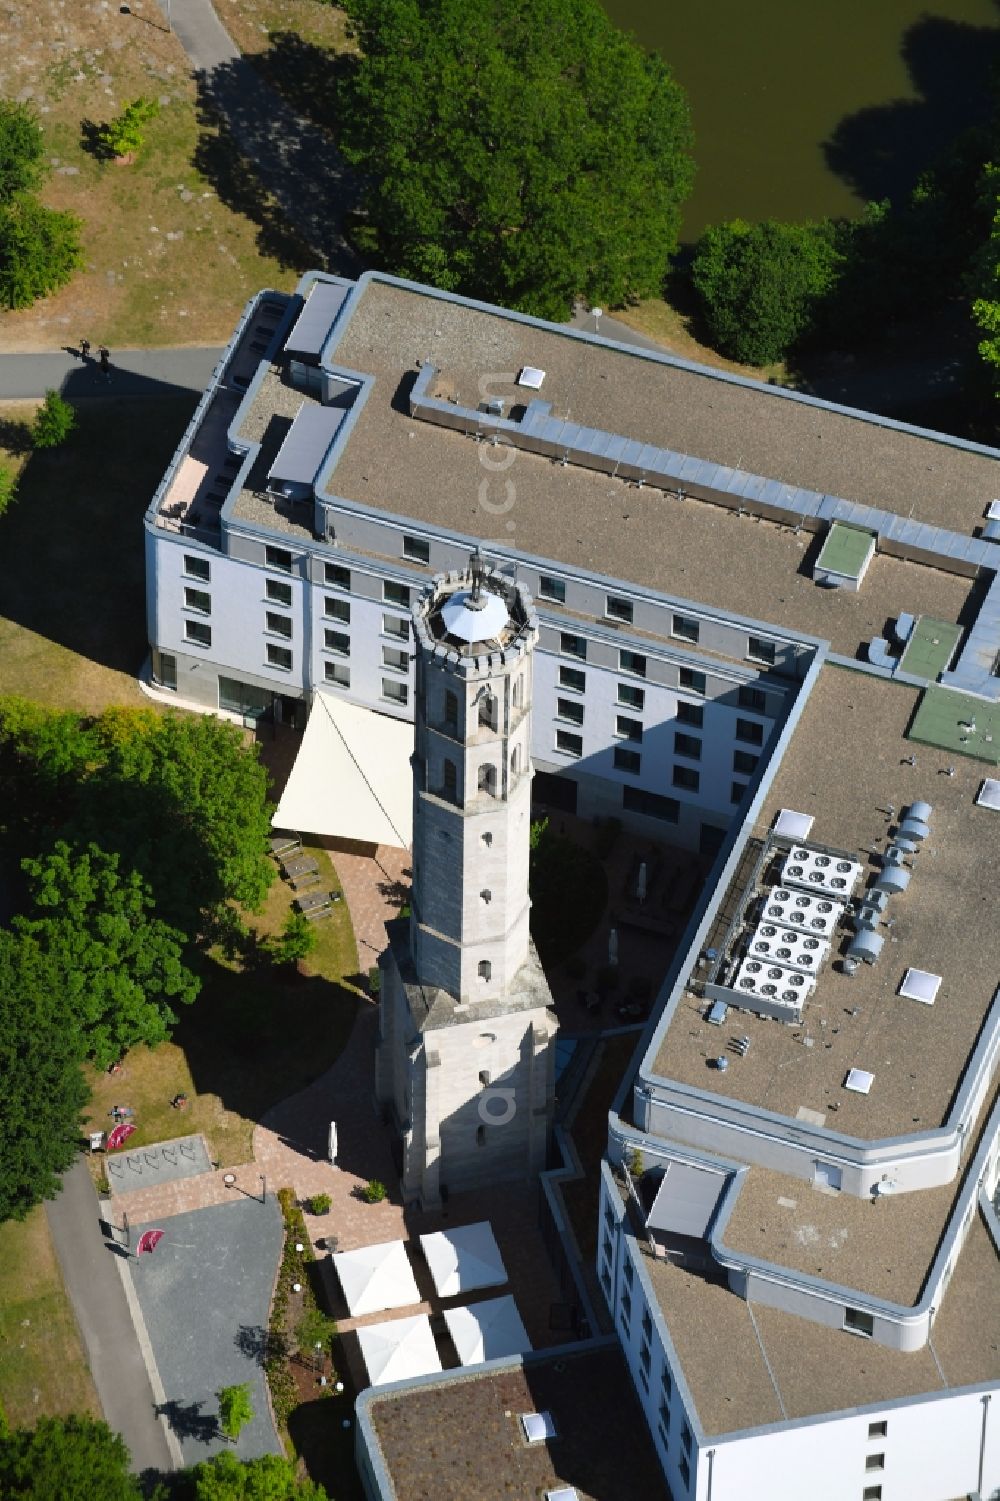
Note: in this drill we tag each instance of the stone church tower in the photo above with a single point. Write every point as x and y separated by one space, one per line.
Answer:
466 1046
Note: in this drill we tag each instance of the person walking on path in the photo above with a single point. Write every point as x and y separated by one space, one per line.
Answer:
104 355
85 350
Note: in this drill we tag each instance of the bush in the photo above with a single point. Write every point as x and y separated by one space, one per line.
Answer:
314 1328
761 286
123 136
297 941
54 421
375 981
235 1409
8 487
320 1204
374 1192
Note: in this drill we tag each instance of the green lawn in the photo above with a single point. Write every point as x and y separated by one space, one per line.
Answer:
43 1370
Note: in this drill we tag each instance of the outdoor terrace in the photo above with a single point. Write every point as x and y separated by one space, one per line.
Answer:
450 1440
847 763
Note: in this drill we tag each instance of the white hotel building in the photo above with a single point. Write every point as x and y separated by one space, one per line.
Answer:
798 1244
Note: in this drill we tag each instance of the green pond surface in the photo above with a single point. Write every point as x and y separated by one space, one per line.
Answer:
804 108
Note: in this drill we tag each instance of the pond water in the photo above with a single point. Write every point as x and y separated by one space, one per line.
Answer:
811 107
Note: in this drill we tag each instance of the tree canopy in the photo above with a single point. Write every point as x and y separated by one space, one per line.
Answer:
74 1458
761 285
270 1478
119 967
44 1094
39 246
523 151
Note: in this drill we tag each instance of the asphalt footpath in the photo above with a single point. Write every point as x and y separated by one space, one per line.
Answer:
96 1288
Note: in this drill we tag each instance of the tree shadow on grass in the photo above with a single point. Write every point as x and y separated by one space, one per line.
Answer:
275 168
188 1421
15 437
259 1344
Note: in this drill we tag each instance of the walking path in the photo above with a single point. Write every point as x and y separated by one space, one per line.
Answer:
134 372
118 1363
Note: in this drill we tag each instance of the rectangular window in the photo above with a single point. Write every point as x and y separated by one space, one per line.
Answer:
686 777
165 670
627 760
685 1471
416 549
399 693
752 698
278 558
608 1251
570 709
396 661
628 1272
859 1322
619 609
572 646
631 697
626 1305
692 714
666 1382
687 745
650 804
197 633
664 1423
644 1357
395 594
573 679
553 589
395 625
875 1462
334 673
686 1439
197 599
570 745
279 656
750 731
872 1493
279 625
278 593
736 792
745 763
629 729
687 628
759 650
691 681
878 1430
606 1283
632 661
647 1324
197 568
337 641
336 576
336 609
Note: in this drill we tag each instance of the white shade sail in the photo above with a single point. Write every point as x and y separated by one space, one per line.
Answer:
463 1259
399 1349
351 777
489 1330
376 1277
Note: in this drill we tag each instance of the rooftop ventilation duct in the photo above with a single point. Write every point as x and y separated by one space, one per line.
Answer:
920 810
894 879
866 945
913 828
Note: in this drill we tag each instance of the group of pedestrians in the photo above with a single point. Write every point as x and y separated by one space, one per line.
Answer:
103 357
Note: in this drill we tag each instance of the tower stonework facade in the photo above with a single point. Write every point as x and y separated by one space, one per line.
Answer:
465 1061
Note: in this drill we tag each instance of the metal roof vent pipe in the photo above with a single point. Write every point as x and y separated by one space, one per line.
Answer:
894 878
919 810
914 828
848 966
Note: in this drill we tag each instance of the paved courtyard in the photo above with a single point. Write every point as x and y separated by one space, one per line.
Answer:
205 1296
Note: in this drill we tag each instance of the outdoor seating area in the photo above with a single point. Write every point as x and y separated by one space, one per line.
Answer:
302 872
461 1261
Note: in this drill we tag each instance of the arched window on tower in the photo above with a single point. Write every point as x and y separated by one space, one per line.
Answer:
488 705
516 693
450 780
488 780
515 761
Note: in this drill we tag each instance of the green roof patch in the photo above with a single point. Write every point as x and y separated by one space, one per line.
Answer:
958 722
845 555
930 648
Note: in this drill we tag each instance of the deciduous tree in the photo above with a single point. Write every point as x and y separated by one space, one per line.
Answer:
270 1478
120 968
235 1409
524 151
39 250
54 421
43 1093
22 150
73 1458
